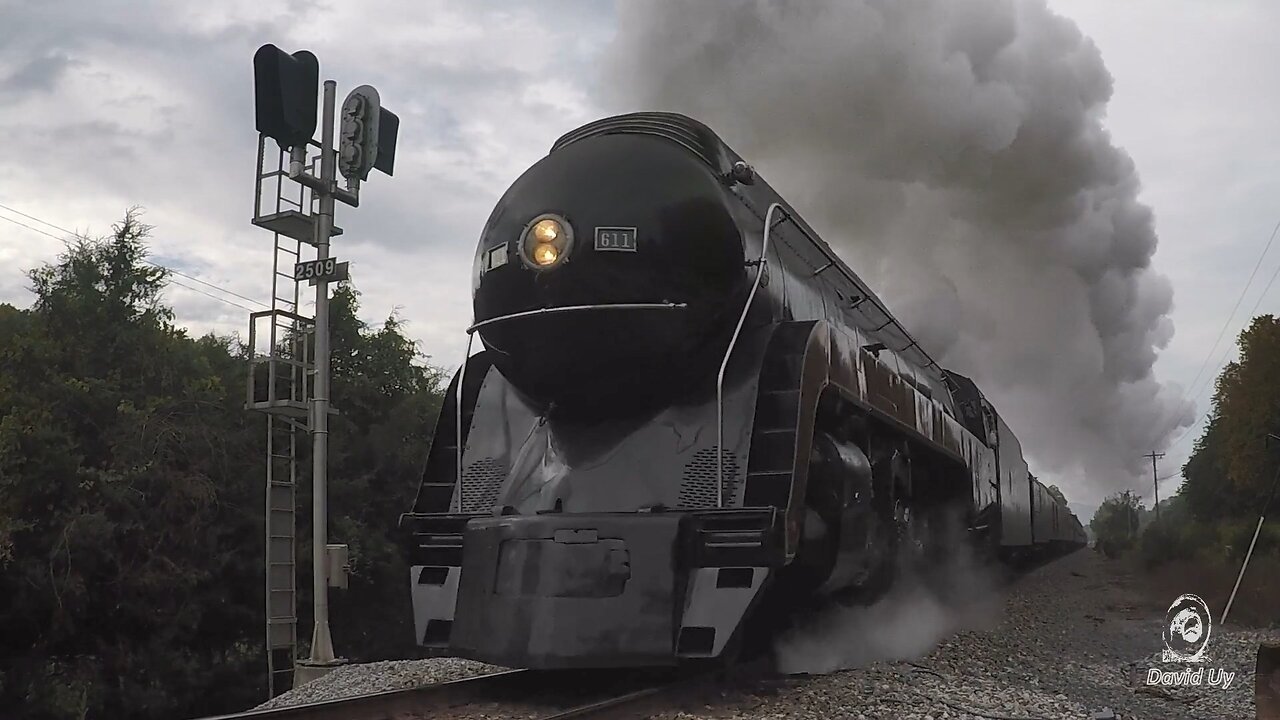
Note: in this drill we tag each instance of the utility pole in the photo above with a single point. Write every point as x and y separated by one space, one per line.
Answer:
285 102
1155 481
1130 513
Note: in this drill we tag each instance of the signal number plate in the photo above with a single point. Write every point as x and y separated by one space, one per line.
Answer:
617 239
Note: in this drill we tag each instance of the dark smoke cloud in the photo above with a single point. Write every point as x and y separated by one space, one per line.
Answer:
954 154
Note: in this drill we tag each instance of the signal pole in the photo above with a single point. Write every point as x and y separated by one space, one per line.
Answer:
285 104
321 640
1155 482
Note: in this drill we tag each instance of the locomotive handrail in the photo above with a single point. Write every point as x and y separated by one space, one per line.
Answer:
457 439
462 374
572 308
724 364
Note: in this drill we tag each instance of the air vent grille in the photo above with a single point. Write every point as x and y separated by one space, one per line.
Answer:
698 487
480 483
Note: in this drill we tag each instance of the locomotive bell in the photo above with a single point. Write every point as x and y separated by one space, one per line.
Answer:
742 173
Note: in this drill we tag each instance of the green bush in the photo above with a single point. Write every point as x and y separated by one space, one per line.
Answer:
1168 540
1113 548
1235 539
1180 540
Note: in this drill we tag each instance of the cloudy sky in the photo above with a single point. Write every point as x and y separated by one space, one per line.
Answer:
116 103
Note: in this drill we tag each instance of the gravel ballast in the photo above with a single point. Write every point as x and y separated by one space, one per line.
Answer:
1071 639
366 678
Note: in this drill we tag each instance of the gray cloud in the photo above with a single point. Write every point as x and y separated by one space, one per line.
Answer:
38 74
150 103
953 153
154 107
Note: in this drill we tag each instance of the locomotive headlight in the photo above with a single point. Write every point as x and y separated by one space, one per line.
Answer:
546 242
545 231
545 254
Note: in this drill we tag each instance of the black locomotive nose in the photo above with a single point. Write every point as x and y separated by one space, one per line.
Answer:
606 271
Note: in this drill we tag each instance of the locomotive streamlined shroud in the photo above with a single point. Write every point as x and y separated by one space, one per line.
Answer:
621 471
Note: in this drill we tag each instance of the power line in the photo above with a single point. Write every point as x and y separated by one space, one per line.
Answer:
144 261
210 295
1231 316
1223 360
22 224
171 280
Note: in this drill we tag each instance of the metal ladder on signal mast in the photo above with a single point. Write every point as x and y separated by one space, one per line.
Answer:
279 386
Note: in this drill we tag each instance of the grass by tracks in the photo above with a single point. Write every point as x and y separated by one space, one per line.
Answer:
1257 604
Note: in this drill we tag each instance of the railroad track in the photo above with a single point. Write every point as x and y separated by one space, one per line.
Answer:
524 694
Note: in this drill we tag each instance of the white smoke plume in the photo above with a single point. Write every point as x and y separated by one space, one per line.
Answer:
920 610
953 153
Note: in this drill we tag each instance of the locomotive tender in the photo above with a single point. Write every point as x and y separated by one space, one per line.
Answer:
685 404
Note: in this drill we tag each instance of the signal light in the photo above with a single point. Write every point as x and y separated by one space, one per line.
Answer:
285 89
367 135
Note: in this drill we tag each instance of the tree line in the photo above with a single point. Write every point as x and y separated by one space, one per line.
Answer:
132 494
1227 478
132 481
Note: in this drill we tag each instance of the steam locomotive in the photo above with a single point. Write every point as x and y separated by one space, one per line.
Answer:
685 405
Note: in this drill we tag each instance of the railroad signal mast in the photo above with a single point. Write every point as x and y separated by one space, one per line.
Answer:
290 381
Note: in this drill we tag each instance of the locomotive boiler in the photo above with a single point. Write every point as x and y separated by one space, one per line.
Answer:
686 411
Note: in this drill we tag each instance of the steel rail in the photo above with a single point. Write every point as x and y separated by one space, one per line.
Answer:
604 708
